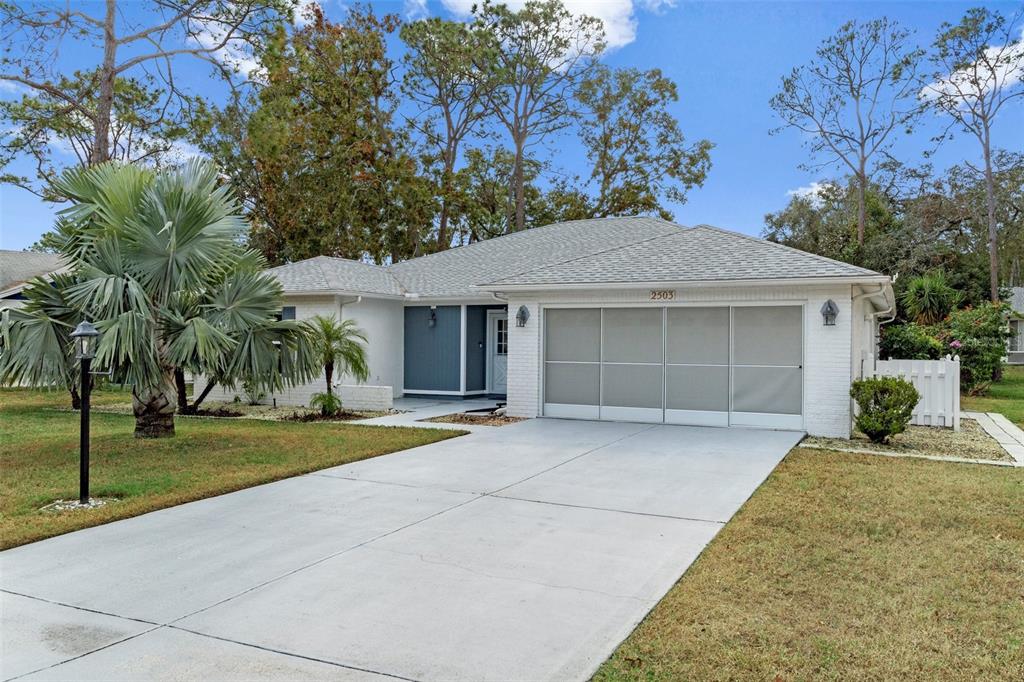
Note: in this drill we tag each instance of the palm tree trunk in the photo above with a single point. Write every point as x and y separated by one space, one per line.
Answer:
153 407
329 376
181 389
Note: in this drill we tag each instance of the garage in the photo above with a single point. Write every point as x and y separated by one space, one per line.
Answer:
714 365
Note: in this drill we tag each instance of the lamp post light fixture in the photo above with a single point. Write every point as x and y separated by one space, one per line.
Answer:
829 312
86 337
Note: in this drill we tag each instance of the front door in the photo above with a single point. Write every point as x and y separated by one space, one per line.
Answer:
497 353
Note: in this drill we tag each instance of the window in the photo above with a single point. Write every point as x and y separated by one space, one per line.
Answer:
501 339
287 313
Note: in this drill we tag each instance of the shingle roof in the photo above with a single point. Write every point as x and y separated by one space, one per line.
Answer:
17 267
327 274
454 272
697 254
607 250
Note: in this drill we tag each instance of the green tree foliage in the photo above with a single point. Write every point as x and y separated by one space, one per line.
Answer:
637 152
978 69
156 264
125 105
536 57
320 164
886 406
451 93
851 100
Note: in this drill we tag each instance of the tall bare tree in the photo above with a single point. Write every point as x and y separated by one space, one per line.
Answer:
978 70
442 79
852 98
34 36
538 56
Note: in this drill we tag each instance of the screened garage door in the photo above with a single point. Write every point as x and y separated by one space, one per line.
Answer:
708 366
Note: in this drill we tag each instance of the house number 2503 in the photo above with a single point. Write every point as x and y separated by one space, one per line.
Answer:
663 294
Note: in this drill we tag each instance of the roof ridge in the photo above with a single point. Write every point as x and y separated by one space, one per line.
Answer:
595 253
529 230
758 240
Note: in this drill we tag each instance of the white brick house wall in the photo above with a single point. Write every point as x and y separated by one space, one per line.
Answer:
382 321
828 351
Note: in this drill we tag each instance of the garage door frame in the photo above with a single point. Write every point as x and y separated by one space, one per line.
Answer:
733 419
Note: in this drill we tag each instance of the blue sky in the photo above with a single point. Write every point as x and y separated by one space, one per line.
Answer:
727 59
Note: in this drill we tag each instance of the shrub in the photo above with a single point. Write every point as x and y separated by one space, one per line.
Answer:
909 341
886 406
328 403
978 335
254 394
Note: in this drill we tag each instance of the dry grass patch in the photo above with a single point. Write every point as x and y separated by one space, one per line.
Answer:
242 409
970 442
850 567
39 460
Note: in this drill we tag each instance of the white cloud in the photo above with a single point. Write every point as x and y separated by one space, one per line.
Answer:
1008 71
811 192
11 87
415 9
236 54
618 16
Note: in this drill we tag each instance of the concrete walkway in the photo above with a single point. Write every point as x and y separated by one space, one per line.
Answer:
523 552
1005 432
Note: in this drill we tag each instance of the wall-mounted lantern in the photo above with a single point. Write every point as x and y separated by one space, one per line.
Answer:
829 312
522 315
432 320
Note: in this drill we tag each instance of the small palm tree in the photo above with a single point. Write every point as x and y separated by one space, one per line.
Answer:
928 299
340 346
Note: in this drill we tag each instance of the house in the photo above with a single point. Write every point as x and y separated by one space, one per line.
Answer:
1015 346
18 267
631 319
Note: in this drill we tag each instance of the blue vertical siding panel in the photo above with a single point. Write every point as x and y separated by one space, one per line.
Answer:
476 347
432 357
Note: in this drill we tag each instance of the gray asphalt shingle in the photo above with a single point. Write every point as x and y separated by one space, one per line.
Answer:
612 250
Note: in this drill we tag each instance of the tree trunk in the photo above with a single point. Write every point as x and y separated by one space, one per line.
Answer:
329 376
76 399
993 236
154 410
517 182
202 396
105 97
181 389
862 213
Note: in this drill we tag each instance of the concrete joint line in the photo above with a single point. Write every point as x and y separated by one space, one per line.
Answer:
606 509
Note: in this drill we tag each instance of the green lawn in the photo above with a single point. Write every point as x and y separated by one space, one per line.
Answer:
39 460
850 567
1006 397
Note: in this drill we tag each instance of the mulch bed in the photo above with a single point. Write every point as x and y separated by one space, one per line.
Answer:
474 419
971 442
342 416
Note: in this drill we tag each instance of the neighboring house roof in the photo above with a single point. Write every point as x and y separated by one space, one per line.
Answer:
600 251
331 275
1017 300
698 254
18 267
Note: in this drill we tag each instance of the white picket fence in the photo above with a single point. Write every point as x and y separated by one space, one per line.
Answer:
938 382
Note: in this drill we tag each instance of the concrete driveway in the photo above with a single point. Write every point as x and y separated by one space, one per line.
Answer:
526 552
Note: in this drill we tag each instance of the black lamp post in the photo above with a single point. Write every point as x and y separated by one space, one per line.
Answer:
85 336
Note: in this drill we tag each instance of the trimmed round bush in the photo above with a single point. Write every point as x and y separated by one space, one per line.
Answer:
886 406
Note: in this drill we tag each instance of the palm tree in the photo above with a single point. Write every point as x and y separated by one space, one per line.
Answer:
157 264
928 299
341 346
